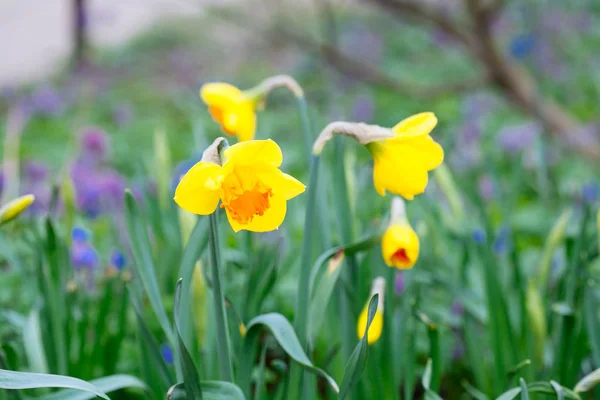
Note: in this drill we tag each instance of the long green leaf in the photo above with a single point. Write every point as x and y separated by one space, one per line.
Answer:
547 388
53 274
197 243
588 382
322 288
211 390
190 373
144 266
510 394
358 359
153 348
107 384
34 346
30 380
524 389
558 389
590 309
284 334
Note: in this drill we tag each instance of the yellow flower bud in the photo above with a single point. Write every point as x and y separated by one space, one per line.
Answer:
400 243
378 287
12 209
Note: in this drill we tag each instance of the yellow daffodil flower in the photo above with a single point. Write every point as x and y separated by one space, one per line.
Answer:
251 188
403 155
400 243
402 162
12 209
232 108
378 287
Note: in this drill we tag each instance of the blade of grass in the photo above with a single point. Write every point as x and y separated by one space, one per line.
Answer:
191 379
143 263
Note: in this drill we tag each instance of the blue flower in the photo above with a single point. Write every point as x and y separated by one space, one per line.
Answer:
118 260
590 192
502 240
478 235
83 256
79 235
521 46
167 353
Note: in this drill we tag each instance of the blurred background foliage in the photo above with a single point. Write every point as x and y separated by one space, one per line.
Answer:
515 86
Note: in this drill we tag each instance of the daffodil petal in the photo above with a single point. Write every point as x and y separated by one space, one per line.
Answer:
404 177
416 125
194 192
421 149
253 152
220 95
283 184
269 221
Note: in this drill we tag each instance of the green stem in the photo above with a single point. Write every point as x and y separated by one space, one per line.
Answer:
301 322
306 128
307 137
223 340
573 297
347 235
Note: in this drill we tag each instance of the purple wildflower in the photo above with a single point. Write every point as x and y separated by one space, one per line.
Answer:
36 172
457 308
363 43
459 349
83 256
363 108
97 191
123 114
399 283
486 187
516 138
478 105
47 101
1 181
94 144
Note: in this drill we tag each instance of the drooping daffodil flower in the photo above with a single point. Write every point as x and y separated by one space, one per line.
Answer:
235 109
402 155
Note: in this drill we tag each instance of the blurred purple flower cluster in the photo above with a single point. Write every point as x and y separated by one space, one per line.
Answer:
35 180
83 255
518 137
475 108
98 188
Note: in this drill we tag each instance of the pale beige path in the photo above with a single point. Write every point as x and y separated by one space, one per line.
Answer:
35 35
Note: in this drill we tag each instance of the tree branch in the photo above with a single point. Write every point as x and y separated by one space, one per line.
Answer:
514 83
370 74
